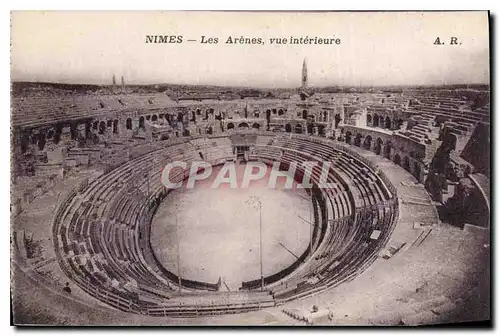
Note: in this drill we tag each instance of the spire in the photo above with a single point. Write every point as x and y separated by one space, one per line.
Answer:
304 74
114 79
123 82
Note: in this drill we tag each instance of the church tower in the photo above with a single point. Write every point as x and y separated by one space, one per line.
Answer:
304 74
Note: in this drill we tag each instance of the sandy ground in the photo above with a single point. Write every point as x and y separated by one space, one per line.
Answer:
207 217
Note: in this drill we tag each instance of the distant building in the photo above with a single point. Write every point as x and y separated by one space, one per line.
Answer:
304 90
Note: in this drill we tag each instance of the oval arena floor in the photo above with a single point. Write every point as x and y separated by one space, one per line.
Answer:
218 230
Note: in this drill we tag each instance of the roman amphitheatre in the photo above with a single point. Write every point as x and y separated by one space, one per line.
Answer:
402 237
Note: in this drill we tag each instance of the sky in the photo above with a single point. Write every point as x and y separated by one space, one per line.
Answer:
376 49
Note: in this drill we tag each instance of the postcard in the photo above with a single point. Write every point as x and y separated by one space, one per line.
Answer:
203 168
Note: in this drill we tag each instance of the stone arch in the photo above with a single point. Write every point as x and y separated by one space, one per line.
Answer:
416 171
57 135
102 127
243 125
109 123
367 144
25 142
180 117
325 115
387 122
288 128
128 124
406 163
375 120
387 149
397 159
50 134
34 138
41 141
280 112
154 118
73 131
309 128
357 140
95 124
378 146
304 114
399 123
115 126
230 126
321 130
348 136
368 118
169 118
256 125
298 129
186 132
148 117
141 122
210 130
337 120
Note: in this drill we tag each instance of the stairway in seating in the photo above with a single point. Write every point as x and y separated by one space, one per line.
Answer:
293 317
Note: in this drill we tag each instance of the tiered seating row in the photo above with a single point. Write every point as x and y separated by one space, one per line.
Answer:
346 255
347 248
117 263
100 229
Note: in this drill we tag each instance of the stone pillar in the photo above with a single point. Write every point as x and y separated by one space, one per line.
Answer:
383 150
80 130
362 142
392 153
122 125
66 133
